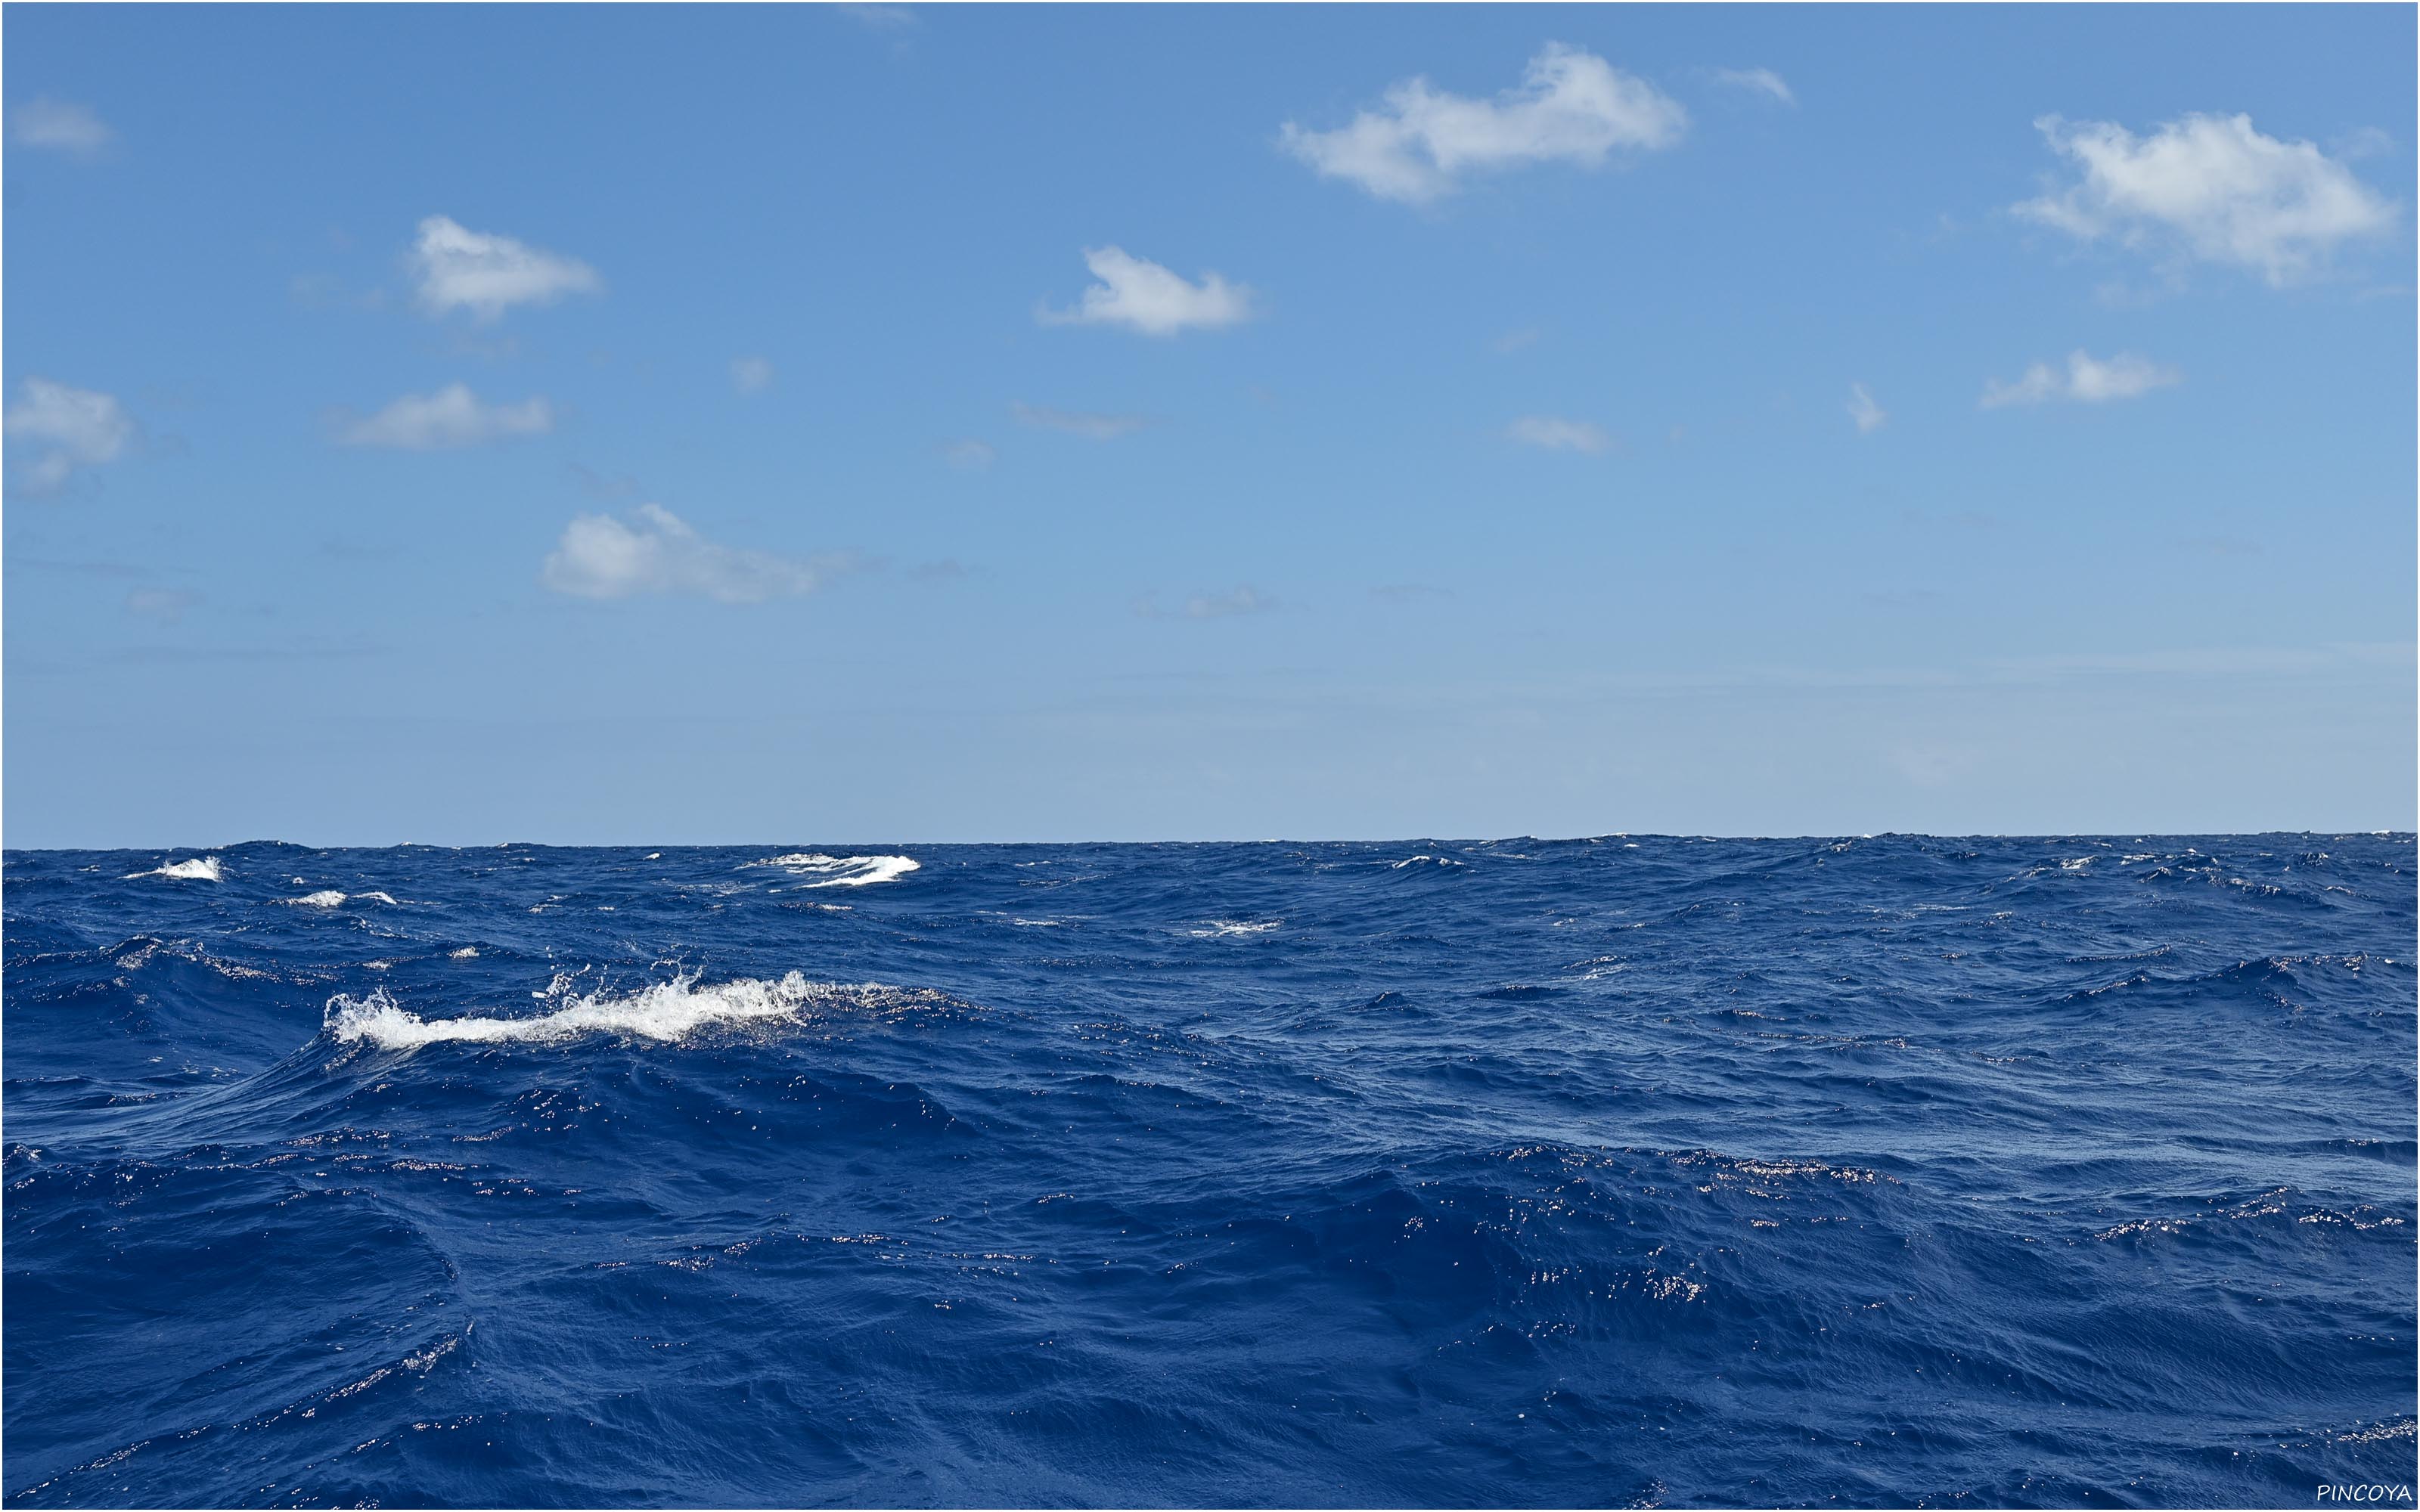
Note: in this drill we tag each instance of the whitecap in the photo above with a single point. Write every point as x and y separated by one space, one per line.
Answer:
468 952
193 869
313 899
1221 928
664 1011
844 871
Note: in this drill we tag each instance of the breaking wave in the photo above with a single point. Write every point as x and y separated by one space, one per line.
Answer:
664 1011
330 898
844 871
195 868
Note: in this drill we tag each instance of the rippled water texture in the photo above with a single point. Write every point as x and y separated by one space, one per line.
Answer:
1575 1173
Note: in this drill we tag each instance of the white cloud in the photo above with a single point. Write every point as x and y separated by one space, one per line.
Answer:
970 454
653 550
60 126
2208 187
1136 292
1761 81
2086 381
1870 416
453 416
1571 106
461 268
1078 423
752 375
1556 434
74 427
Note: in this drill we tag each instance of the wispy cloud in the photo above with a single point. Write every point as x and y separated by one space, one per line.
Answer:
969 453
750 374
2211 188
1077 421
487 274
451 417
1870 416
1243 600
1571 106
1142 296
59 126
1410 593
1513 341
2086 381
1756 81
166 606
1556 434
69 428
651 550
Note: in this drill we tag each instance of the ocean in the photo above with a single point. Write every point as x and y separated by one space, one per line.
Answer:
1627 1171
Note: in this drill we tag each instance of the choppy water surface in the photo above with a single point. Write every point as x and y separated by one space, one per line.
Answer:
1616 1171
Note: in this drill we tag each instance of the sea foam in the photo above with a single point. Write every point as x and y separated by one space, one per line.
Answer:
844 871
195 869
663 1011
330 898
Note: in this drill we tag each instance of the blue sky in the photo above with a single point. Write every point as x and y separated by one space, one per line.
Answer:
748 423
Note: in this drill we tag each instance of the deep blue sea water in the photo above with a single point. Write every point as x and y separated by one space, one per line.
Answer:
1626 1171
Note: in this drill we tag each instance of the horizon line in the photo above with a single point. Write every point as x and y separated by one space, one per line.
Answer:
1631 835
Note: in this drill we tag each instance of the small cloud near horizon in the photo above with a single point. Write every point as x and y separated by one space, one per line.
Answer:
1241 599
450 418
1555 434
1093 428
651 550
166 606
2086 381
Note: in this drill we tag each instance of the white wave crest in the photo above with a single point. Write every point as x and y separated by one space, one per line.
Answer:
663 1011
1221 928
330 898
844 871
195 869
